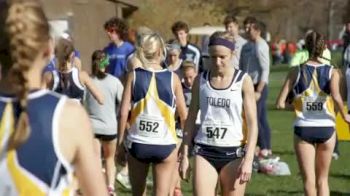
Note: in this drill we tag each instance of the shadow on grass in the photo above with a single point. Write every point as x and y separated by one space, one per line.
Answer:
343 176
284 192
283 152
338 193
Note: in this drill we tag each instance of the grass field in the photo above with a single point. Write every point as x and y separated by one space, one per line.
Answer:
282 145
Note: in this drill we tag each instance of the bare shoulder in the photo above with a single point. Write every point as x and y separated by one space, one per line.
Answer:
247 81
176 79
73 113
74 121
73 128
83 74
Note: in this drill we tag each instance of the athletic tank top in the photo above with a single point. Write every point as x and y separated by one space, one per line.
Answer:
153 110
37 167
69 84
313 104
221 112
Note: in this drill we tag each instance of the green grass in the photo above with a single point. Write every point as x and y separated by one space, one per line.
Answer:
282 145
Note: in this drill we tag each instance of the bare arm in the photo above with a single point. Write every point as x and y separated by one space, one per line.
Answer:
190 124
180 101
77 63
189 130
84 77
124 108
251 117
76 144
336 94
249 105
287 87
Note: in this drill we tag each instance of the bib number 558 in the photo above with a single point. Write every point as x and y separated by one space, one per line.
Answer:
216 132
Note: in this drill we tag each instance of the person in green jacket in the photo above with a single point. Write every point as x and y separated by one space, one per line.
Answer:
302 56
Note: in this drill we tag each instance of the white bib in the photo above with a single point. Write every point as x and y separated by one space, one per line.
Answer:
217 133
150 126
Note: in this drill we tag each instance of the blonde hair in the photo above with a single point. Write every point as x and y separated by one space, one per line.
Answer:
186 65
26 34
150 46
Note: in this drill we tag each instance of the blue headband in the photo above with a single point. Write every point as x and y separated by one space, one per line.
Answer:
222 42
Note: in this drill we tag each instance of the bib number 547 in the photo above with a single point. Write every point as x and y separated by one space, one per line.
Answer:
216 132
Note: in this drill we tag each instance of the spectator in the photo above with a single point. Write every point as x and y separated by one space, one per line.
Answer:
346 37
118 49
257 64
232 26
189 52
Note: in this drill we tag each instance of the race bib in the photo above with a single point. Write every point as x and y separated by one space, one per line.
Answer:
313 106
216 132
150 126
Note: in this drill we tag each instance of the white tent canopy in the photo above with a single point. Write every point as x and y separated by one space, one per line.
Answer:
205 30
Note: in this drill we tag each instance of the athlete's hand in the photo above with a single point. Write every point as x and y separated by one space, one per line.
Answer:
184 169
257 96
280 105
121 155
245 171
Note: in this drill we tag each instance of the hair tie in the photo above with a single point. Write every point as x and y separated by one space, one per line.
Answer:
222 42
104 63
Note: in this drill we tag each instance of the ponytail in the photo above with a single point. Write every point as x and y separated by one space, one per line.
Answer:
315 44
150 46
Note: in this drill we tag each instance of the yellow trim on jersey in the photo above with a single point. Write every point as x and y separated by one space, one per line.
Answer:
313 90
298 105
67 191
24 185
6 121
314 87
152 93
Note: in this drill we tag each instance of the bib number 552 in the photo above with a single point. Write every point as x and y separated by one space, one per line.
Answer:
216 132
148 126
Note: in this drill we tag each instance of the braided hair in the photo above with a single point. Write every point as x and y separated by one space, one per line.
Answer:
25 33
